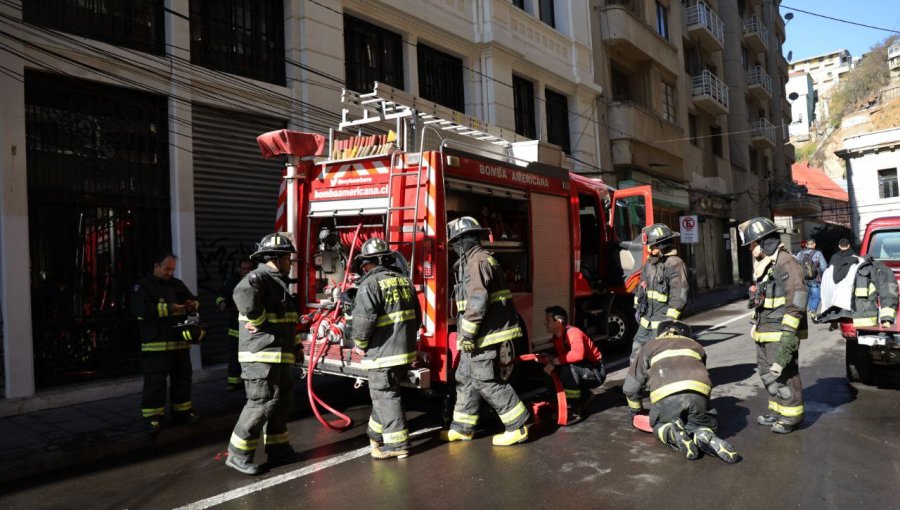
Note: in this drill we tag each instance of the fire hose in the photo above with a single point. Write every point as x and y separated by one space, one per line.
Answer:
344 422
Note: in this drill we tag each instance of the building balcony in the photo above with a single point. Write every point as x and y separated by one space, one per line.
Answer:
630 126
704 25
709 93
786 110
894 50
796 206
759 83
894 63
632 40
762 134
756 35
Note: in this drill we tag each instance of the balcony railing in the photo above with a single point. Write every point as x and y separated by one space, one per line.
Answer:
757 78
763 133
756 34
701 16
708 85
894 50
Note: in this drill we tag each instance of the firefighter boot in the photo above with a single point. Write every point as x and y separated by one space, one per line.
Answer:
767 420
714 445
511 437
283 457
152 426
379 453
781 427
454 435
185 418
674 435
243 465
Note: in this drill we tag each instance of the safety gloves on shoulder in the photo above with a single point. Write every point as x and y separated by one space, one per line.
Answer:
466 344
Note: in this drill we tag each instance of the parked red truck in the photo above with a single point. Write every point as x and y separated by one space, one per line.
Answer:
872 347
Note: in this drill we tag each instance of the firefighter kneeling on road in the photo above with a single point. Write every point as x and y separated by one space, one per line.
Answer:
663 290
267 350
673 366
577 362
778 297
486 319
386 317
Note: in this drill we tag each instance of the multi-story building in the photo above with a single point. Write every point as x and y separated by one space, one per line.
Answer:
131 129
872 163
802 107
826 70
894 59
695 104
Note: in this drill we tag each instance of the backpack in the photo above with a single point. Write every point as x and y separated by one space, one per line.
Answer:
810 270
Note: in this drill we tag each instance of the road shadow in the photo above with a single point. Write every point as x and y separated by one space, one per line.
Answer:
730 374
708 335
731 414
824 397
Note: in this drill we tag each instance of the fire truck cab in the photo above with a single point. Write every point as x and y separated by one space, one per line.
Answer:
401 168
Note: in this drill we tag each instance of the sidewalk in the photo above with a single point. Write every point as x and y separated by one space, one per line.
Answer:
84 433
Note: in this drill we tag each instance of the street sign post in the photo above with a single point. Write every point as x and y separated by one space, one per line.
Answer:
690 229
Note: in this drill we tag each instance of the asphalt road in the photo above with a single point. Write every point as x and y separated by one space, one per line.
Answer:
846 454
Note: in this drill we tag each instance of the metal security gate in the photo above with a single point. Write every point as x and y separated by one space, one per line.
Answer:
98 201
235 195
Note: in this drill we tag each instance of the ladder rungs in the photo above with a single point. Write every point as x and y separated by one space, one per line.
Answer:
403 174
404 208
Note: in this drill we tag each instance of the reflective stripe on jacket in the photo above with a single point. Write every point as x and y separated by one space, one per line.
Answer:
152 301
785 297
874 294
667 365
666 286
487 315
263 299
386 318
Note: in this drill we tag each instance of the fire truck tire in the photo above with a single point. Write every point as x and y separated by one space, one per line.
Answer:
859 363
621 326
509 351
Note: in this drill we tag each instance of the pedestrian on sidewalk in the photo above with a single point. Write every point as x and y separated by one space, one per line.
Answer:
225 302
813 263
577 361
779 298
673 367
487 318
663 290
268 348
386 318
160 301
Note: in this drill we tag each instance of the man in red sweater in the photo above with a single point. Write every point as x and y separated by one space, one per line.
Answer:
577 361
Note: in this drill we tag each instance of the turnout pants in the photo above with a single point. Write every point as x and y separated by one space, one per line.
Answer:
692 408
270 388
579 377
789 410
387 424
643 335
234 367
160 367
477 378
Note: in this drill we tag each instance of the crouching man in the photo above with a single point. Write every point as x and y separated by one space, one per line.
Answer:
577 361
673 366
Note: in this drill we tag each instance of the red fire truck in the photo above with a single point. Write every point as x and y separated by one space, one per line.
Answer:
401 168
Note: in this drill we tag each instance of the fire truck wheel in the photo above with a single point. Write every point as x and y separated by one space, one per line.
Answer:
859 363
621 327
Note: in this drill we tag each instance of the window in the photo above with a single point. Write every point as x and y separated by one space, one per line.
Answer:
668 102
244 37
558 120
662 20
136 24
546 12
887 183
715 138
884 245
692 129
371 54
523 99
440 78
519 3
621 85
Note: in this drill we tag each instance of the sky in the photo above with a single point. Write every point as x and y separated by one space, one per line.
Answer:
809 35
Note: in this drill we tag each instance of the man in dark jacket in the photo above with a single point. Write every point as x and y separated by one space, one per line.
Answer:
160 301
225 302
673 367
577 360
268 347
386 319
779 298
663 290
486 319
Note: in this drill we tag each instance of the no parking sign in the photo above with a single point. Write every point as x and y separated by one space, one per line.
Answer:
690 230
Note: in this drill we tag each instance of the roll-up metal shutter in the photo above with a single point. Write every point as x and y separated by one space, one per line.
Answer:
235 196
552 273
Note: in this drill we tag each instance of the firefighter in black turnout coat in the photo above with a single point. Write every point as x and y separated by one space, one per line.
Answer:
268 348
778 298
160 301
385 318
673 367
487 318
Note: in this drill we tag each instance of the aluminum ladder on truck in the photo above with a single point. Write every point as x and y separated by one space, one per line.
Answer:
385 104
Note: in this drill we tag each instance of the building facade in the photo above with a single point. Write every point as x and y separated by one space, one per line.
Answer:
872 164
825 70
803 108
132 130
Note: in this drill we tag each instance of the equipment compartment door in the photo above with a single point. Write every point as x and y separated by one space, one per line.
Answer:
552 267
632 211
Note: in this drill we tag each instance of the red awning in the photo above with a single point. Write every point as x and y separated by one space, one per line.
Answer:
285 142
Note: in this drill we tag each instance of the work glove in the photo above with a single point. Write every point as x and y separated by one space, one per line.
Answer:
466 345
776 370
768 378
783 391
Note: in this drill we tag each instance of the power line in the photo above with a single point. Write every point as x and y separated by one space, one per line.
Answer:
840 20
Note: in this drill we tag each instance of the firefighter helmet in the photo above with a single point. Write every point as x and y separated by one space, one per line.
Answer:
674 328
755 229
273 244
657 233
463 225
373 248
189 331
